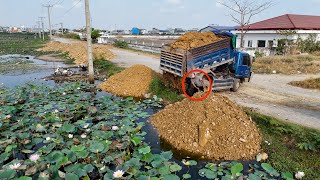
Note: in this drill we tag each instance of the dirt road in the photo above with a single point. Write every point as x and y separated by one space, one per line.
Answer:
271 95
127 59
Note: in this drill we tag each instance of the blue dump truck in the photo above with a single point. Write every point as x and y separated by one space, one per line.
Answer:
226 66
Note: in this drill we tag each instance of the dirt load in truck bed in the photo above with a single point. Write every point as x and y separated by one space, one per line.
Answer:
213 129
194 39
134 82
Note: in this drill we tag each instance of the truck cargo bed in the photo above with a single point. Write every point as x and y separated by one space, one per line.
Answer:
176 61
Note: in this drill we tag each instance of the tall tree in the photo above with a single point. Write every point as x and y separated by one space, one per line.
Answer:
242 12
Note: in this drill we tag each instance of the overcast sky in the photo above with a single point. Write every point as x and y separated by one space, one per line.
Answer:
125 14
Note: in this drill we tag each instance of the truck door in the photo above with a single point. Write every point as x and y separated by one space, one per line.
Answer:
244 66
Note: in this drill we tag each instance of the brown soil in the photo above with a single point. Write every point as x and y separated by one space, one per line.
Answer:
194 39
78 51
133 82
213 129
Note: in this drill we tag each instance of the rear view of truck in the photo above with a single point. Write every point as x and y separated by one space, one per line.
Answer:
215 54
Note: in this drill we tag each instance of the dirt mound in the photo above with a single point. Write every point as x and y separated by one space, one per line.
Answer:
78 51
194 39
134 82
213 129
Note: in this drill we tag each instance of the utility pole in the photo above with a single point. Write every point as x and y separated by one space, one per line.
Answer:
62 30
42 24
89 42
39 29
48 7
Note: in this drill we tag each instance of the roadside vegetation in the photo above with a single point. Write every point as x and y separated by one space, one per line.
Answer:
70 36
106 67
294 64
290 147
158 88
18 43
313 83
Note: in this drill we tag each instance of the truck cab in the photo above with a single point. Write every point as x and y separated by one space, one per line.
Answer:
242 65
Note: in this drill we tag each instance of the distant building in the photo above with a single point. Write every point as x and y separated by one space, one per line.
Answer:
221 28
135 31
154 31
263 36
143 31
179 31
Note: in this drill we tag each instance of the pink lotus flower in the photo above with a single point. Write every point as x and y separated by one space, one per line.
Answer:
70 136
15 166
34 157
115 128
83 136
118 174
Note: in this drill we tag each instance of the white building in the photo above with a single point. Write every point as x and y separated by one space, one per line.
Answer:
263 36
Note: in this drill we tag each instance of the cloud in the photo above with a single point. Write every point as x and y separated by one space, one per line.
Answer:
175 2
59 6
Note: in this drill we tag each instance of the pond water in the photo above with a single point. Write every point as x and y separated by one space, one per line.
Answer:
20 77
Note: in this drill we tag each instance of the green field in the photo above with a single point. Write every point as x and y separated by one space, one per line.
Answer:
20 43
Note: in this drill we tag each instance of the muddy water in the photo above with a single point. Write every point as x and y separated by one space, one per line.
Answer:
41 69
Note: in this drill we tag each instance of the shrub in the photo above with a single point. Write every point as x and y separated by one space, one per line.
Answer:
121 44
309 45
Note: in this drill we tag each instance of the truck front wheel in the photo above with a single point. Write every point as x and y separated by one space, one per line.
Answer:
236 85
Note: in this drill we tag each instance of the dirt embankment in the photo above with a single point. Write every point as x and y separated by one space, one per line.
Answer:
134 82
78 51
194 39
214 129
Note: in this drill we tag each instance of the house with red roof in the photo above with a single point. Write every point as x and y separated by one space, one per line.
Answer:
263 36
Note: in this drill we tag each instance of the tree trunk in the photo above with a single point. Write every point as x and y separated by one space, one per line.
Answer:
241 39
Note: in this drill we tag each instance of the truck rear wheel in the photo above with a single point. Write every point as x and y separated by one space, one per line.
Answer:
236 85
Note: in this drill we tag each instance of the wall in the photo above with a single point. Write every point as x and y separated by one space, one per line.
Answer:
269 35
272 35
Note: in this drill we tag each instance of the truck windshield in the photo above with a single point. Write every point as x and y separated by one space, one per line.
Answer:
246 60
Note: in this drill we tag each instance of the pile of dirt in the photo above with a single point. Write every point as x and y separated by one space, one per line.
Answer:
213 129
78 51
133 82
194 39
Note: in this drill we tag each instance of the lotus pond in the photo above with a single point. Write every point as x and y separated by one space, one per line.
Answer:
72 131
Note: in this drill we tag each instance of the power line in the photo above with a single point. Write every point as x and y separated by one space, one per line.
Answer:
74 5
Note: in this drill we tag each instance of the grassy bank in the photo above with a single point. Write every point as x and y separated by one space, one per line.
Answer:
313 83
308 64
292 148
19 43
159 89
107 67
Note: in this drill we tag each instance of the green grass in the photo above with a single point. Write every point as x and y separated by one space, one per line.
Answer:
105 66
284 153
158 88
21 43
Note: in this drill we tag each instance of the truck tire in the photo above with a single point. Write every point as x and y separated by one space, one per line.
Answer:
236 85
